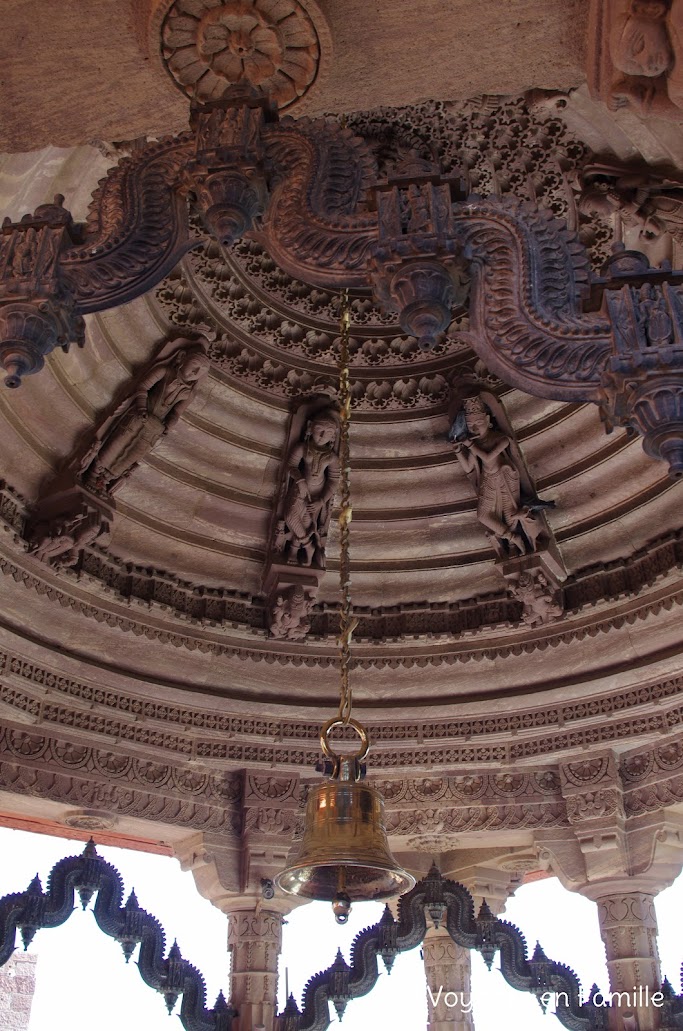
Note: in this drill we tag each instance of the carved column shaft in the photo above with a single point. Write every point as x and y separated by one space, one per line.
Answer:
628 926
449 996
254 940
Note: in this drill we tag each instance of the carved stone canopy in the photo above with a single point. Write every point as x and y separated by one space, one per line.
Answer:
152 650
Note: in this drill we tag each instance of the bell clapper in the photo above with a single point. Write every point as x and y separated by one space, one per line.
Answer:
341 903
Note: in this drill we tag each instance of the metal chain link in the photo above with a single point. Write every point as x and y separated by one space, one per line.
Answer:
347 622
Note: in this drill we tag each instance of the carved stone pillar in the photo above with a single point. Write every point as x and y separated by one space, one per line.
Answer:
447 970
628 926
254 941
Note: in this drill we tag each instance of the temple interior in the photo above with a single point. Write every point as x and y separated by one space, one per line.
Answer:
208 204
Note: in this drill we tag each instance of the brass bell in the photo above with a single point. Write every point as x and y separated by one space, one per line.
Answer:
344 855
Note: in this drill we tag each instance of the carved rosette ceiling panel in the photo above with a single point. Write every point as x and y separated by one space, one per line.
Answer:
279 47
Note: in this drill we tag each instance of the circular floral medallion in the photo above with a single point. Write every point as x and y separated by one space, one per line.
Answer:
271 45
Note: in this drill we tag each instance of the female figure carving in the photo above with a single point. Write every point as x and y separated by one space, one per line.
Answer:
485 455
312 477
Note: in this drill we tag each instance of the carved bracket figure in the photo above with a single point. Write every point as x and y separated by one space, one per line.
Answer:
152 406
538 597
308 483
289 616
508 506
300 188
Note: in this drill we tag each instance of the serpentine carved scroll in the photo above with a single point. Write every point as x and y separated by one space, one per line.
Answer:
87 874
310 192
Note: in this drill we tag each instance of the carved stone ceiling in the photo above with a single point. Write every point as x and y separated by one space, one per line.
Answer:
158 638
170 613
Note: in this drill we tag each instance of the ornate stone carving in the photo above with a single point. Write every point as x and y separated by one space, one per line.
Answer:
151 408
61 542
649 206
447 967
492 462
628 927
290 615
227 174
309 485
634 58
37 310
416 265
644 386
538 597
273 46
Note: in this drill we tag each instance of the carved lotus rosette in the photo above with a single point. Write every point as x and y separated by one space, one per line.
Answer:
275 46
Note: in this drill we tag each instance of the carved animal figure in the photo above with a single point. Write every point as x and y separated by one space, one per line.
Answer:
151 409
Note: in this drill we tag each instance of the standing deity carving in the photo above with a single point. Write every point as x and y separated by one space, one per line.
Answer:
152 407
492 464
312 475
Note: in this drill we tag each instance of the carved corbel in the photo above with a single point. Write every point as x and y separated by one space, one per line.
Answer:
416 266
37 308
298 536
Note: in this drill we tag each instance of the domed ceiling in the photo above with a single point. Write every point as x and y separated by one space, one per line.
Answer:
167 613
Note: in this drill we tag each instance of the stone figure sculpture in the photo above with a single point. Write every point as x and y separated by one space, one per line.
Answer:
648 204
538 599
492 466
309 489
289 617
646 46
151 409
62 543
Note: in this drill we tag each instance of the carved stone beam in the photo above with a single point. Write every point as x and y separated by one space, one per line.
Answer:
52 272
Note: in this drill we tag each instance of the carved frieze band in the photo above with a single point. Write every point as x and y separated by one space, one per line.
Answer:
212 608
266 805
241 740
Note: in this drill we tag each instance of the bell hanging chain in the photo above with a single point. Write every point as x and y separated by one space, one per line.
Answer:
347 623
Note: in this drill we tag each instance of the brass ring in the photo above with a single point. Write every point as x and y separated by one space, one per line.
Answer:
360 730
